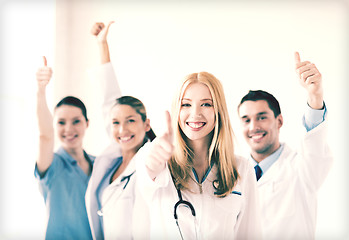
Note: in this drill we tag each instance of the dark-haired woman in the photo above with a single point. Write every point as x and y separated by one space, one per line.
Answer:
63 175
114 207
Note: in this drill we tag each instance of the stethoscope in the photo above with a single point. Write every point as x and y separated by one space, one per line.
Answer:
127 180
190 206
192 209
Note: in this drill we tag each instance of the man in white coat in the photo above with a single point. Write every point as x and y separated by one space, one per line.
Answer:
288 180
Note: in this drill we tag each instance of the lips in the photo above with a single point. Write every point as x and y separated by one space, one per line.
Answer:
125 138
196 126
258 136
70 137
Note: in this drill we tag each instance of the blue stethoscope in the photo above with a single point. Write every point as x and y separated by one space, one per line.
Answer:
125 179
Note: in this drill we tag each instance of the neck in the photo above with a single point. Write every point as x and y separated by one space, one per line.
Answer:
200 150
200 160
259 156
127 155
76 153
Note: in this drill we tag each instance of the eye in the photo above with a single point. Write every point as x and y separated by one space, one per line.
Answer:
185 105
206 105
76 121
246 120
115 122
131 120
61 122
262 118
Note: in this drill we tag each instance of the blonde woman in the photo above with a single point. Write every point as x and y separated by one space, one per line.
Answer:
194 184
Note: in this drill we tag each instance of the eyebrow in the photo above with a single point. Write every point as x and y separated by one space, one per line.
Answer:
258 114
73 118
202 100
262 113
130 116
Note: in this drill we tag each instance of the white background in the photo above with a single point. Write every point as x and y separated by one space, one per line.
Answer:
153 44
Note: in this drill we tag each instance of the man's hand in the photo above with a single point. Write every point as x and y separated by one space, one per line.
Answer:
310 78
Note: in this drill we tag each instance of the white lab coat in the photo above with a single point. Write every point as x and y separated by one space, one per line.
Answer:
125 214
233 217
288 190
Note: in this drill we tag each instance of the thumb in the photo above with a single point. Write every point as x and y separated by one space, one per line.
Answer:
45 61
169 129
109 24
297 58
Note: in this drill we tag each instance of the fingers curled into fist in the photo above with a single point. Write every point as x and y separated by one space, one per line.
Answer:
161 150
44 74
97 28
307 72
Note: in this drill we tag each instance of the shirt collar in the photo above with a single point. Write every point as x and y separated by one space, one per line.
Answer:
206 173
68 157
63 152
266 163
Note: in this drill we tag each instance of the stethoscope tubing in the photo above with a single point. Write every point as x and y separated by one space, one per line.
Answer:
127 178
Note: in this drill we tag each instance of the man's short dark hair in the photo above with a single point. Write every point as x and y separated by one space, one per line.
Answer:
262 95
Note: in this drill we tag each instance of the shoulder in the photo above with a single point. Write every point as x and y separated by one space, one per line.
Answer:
89 157
59 163
246 172
287 153
242 164
59 159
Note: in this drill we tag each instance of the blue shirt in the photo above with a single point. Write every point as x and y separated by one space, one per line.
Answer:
63 187
311 119
99 192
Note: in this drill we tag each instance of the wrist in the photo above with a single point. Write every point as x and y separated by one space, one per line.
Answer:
102 42
152 174
41 89
316 102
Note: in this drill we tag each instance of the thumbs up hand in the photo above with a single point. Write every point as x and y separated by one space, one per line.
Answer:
44 74
161 150
310 78
101 31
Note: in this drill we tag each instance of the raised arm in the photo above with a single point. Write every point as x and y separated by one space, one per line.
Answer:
45 120
310 78
316 156
104 74
101 32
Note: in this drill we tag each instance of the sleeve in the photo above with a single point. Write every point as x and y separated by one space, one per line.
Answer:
313 117
46 179
314 157
249 221
104 76
92 208
146 186
141 217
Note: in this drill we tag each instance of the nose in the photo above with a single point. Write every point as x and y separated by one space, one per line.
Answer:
122 128
197 111
253 125
69 127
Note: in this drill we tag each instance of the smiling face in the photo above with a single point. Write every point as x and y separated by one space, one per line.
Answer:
197 116
70 126
260 128
128 127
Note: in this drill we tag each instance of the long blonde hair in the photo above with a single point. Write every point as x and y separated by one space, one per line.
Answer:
221 149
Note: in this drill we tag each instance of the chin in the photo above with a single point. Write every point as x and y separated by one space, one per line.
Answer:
73 145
